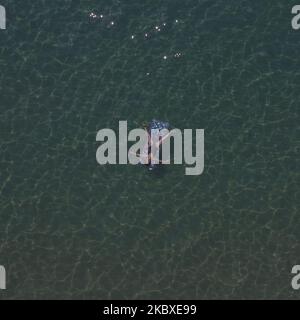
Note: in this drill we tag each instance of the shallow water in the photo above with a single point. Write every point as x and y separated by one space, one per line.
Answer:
70 228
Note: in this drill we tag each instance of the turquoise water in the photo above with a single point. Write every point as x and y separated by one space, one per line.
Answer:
70 228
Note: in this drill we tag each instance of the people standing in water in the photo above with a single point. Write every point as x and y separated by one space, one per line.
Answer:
147 155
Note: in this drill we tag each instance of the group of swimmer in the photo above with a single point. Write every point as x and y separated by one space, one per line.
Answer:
148 153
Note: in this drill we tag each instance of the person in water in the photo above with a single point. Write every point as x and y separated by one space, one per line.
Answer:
147 155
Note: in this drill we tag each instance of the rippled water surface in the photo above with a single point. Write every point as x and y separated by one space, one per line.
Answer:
70 228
